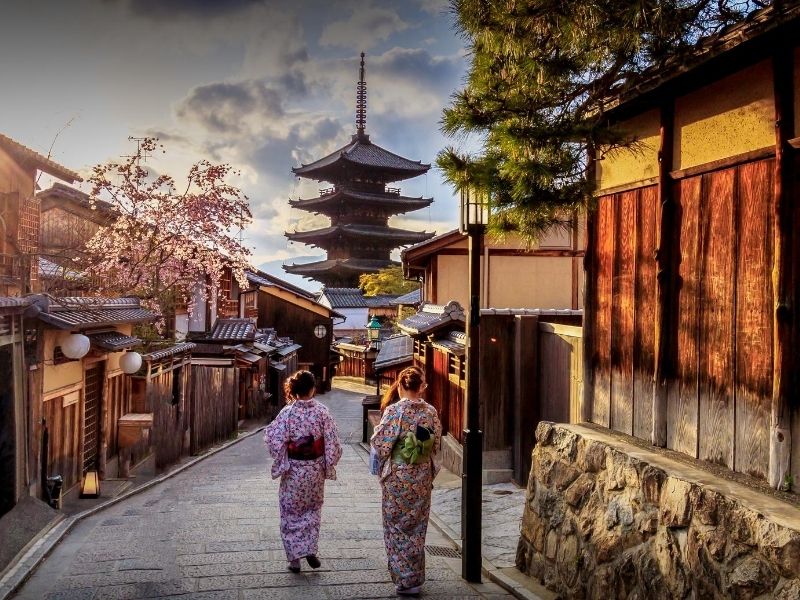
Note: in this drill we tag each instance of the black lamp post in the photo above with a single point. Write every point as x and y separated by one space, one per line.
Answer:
474 217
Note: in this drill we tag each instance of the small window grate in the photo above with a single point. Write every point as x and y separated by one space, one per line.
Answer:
443 551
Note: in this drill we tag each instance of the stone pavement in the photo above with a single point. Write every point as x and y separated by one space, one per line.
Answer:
212 532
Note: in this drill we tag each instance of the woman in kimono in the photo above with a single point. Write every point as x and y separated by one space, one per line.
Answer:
304 443
407 441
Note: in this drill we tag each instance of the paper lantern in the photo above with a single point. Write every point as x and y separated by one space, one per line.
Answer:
130 362
75 345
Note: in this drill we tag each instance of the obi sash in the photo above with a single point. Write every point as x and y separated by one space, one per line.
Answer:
414 447
306 448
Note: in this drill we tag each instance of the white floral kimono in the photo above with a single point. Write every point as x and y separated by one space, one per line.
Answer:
302 487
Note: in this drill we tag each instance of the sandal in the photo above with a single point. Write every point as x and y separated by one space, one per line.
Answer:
313 561
294 565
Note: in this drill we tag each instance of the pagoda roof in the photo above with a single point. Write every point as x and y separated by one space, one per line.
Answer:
392 202
362 154
344 266
352 230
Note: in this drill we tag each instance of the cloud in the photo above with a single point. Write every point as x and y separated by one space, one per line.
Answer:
366 27
157 9
232 108
434 7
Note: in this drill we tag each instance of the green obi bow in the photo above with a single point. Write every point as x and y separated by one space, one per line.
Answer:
411 450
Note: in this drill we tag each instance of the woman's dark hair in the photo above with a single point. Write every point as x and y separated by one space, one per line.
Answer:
410 378
299 385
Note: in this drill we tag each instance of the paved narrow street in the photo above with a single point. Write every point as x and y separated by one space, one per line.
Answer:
212 532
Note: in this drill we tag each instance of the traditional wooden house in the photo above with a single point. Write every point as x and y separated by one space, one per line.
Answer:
14 405
690 337
296 314
84 399
548 275
20 214
690 271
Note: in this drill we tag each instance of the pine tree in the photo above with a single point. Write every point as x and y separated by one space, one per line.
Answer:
541 72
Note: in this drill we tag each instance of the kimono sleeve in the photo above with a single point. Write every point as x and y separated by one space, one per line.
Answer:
386 433
437 443
275 438
333 447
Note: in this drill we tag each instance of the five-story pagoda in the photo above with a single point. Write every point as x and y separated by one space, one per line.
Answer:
359 239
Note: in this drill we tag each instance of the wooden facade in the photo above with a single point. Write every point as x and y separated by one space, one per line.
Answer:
692 290
214 412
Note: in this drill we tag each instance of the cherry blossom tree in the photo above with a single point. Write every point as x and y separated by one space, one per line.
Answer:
166 241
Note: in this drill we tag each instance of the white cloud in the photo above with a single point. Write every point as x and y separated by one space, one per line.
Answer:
366 27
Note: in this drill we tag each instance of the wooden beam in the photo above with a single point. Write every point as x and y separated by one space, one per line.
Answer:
666 272
780 443
590 291
724 163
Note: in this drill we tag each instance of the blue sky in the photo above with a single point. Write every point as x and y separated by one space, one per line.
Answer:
262 85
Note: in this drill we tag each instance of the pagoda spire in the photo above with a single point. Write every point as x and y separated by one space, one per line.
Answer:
361 101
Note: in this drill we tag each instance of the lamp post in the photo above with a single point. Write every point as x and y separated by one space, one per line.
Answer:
474 217
374 336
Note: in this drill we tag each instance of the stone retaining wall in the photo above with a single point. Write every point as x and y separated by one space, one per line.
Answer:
605 521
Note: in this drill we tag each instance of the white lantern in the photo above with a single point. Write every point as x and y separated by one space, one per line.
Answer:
130 362
75 345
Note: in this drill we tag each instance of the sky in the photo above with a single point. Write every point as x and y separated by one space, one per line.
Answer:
261 84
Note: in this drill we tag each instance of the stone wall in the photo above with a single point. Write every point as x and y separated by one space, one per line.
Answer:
607 519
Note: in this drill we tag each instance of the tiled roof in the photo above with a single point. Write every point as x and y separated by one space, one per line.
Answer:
171 351
389 234
80 313
25 154
60 191
363 153
338 198
229 330
344 297
432 317
265 279
395 350
345 265
412 298
381 301
113 340
48 268
455 343
12 302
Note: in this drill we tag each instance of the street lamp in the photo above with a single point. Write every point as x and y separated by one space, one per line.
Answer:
374 335
474 217
374 332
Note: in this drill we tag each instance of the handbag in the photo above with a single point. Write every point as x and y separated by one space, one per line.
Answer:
374 462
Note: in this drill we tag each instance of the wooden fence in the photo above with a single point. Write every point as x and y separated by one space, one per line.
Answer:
215 406
560 372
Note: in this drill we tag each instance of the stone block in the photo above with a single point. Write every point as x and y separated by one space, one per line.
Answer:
781 546
577 493
705 505
566 442
593 457
787 590
652 478
676 508
751 577
561 475
543 431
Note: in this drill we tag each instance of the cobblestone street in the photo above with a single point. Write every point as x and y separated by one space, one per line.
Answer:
212 532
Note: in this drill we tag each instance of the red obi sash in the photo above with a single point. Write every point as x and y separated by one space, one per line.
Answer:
306 448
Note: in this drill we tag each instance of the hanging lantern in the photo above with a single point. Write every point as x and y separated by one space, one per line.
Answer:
130 362
75 345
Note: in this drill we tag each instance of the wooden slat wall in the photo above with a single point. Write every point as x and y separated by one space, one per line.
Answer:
682 397
622 312
559 374
439 386
716 309
721 368
497 379
601 355
63 424
118 401
754 301
214 405
647 216
169 423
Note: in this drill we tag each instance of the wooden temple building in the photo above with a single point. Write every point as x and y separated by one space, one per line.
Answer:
359 204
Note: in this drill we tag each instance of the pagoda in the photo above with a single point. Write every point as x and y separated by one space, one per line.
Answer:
359 204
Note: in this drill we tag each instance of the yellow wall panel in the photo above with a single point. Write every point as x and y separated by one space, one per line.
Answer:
530 282
637 163
726 118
